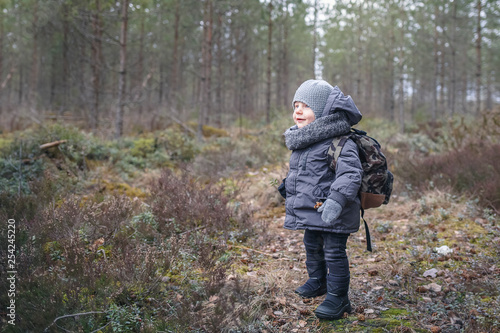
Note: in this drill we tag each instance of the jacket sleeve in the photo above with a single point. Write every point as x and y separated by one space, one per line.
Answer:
348 175
282 188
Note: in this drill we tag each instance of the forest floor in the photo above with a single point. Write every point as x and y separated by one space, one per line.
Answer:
405 285
435 266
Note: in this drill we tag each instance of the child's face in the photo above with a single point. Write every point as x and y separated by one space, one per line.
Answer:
302 114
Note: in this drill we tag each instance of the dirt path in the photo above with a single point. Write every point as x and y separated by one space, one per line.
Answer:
404 285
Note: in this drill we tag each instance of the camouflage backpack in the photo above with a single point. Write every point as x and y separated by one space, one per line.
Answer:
376 184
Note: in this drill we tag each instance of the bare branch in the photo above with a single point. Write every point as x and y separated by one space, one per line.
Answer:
72 316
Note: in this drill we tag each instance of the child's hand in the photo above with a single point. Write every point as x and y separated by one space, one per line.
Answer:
330 211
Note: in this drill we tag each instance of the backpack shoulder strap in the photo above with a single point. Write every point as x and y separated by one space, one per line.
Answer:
335 148
367 231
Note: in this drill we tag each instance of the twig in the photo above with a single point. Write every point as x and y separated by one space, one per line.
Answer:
52 144
195 229
100 328
181 123
73 315
103 253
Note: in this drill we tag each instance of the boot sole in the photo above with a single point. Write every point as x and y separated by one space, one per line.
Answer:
323 315
312 294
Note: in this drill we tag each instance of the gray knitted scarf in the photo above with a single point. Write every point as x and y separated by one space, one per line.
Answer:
322 128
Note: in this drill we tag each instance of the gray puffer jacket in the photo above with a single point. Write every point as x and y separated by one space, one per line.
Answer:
311 179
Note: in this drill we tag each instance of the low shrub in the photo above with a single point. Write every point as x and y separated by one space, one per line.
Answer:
461 155
131 266
180 204
473 171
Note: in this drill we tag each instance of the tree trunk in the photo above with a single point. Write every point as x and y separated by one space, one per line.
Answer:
206 68
20 91
359 55
401 78
65 60
122 73
286 101
414 93
208 65
34 58
442 81
218 91
436 67
269 60
390 72
279 60
1 60
140 66
160 82
453 69
53 80
96 47
315 39
478 59
175 52
489 93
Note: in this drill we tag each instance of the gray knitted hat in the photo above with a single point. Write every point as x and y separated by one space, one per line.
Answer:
314 93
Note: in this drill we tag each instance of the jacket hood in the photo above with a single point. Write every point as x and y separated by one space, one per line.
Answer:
337 101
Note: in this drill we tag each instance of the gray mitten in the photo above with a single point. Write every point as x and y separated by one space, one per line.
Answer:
330 210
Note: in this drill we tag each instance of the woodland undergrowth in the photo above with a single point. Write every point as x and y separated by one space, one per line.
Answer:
150 233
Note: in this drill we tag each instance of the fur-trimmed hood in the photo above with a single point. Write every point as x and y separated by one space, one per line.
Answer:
325 127
339 114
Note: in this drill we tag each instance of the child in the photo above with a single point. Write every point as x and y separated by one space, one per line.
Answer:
322 112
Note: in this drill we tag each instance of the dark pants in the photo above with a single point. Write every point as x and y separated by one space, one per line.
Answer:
326 252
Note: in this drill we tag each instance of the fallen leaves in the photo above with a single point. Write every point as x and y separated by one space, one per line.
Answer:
431 272
429 287
433 287
411 269
435 329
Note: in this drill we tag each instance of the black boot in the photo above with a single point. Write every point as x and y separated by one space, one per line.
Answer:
316 285
337 301
333 307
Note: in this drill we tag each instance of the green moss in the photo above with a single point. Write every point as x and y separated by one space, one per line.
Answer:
387 321
143 147
209 131
395 312
5 143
